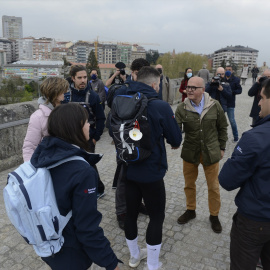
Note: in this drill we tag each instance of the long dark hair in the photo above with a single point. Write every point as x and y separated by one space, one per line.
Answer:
66 122
185 75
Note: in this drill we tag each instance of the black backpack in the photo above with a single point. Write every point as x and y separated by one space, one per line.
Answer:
130 127
111 93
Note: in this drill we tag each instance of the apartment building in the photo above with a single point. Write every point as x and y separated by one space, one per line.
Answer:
12 27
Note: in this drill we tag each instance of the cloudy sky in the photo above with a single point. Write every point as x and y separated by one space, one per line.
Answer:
198 26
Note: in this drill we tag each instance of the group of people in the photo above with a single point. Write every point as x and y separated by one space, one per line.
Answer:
57 131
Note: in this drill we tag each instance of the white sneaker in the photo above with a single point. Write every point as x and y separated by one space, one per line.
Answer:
135 262
159 266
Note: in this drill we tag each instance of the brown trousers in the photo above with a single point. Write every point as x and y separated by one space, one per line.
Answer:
190 172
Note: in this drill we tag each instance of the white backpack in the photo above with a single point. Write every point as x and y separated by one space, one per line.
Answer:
31 207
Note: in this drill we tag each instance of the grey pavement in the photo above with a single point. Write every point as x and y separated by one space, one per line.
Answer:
190 246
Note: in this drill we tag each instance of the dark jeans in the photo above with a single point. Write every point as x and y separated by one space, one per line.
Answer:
100 185
154 198
249 240
230 113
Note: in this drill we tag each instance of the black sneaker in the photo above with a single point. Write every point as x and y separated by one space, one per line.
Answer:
186 217
121 221
143 209
215 224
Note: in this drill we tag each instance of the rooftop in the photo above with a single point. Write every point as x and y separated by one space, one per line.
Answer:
236 48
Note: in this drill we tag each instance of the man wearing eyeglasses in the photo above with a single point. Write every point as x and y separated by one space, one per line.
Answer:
219 89
205 126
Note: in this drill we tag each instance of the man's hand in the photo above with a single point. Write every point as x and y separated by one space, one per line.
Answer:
220 88
116 73
174 148
123 77
222 153
94 141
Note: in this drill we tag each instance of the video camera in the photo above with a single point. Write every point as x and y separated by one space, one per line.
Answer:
216 80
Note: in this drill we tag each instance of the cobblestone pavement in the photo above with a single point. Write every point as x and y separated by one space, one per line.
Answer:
190 246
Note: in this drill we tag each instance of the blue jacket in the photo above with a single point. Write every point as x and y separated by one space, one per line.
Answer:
249 170
163 125
75 189
96 129
236 90
224 95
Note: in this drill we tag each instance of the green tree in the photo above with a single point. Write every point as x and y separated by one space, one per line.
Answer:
28 88
92 63
27 96
152 57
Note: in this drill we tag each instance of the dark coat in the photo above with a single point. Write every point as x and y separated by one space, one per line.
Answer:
96 129
75 189
163 126
249 170
255 91
236 90
224 95
183 87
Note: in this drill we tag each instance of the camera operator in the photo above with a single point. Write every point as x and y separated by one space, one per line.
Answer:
219 89
255 91
119 76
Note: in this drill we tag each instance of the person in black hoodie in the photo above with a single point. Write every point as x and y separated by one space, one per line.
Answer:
75 189
144 180
81 91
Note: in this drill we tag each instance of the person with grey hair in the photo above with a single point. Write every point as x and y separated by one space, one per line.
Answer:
204 73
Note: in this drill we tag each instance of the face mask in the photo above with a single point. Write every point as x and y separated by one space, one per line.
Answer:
228 73
94 77
159 70
189 75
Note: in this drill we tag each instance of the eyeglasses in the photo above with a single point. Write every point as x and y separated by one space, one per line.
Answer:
193 88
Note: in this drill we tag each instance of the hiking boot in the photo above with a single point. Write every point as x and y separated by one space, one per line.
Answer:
215 224
143 210
159 266
121 221
135 262
186 217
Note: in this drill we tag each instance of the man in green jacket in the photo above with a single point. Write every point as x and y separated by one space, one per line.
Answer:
205 126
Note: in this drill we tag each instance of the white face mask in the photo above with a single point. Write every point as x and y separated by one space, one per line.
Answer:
189 75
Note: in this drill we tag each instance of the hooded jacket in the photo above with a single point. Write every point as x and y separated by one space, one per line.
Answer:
37 128
75 185
205 134
163 125
249 170
236 90
98 115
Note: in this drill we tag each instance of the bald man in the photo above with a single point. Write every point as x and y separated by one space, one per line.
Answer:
219 89
165 91
205 126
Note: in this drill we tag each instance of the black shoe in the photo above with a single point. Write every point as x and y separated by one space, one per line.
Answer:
121 221
215 224
186 217
143 209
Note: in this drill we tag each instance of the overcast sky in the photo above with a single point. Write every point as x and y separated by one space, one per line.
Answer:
198 26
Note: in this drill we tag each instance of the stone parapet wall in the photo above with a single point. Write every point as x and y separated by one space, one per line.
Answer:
13 126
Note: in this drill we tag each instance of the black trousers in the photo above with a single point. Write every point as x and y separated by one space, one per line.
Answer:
249 240
100 185
154 198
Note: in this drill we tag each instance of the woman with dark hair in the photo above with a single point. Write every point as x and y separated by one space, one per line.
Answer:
183 86
75 189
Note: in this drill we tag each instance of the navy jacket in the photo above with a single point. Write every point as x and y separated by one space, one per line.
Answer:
224 95
163 125
236 90
255 91
75 189
96 130
249 170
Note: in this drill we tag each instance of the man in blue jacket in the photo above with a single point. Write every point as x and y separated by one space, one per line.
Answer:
249 170
218 89
236 90
144 180
81 91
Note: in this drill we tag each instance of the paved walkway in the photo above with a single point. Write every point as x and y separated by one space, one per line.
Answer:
190 246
